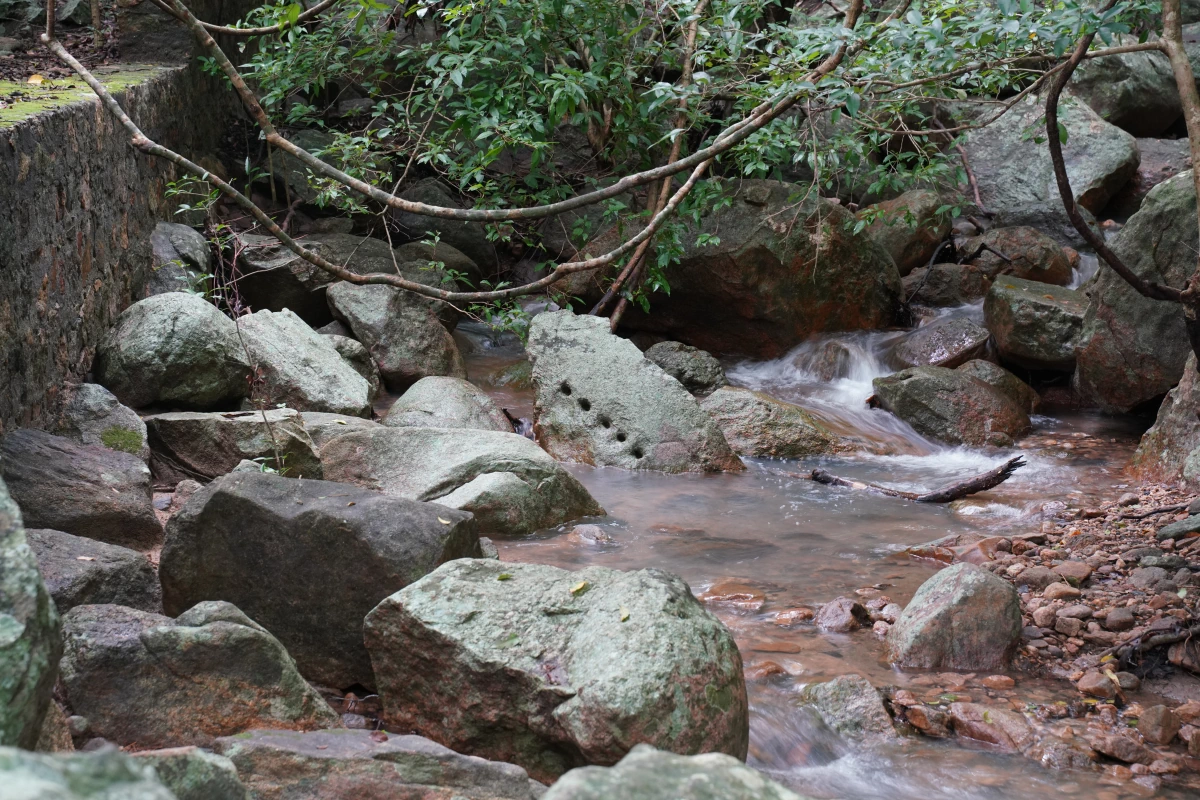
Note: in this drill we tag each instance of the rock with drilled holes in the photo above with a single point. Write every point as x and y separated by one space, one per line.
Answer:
599 401
509 483
358 545
151 681
551 669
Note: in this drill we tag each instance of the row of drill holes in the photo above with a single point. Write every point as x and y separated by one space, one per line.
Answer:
605 422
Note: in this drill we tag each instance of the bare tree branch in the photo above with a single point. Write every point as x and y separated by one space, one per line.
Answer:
279 27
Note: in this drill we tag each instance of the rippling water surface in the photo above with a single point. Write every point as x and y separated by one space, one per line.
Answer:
801 543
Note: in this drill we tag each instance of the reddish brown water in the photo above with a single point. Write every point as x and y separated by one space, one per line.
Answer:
801 543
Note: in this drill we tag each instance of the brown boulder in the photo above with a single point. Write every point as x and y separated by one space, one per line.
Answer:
1032 255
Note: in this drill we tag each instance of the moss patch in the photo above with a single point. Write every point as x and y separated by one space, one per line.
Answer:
23 100
123 439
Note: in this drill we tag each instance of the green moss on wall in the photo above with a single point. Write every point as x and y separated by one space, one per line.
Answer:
24 100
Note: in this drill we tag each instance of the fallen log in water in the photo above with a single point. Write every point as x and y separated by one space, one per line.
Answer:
979 483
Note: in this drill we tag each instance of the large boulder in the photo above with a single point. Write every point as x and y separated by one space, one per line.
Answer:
849 705
88 491
303 533
193 773
1132 349
180 259
401 330
80 572
943 343
1016 180
322 427
951 406
30 644
551 669
963 618
274 278
342 764
650 774
105 775
294 172
470 238
300 368
1161 159
600 401
442 402
698 371
92 415
1170 450
151 681
1031 254
1033 324
509 483
173 349
1134 91
945 285
909 228
359 359
196 445
759 426
1002 381
787 266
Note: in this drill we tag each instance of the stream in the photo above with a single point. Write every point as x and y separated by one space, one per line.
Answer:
801 543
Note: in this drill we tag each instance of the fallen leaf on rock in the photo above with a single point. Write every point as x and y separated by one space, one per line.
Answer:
36 80
624 613
85 558
378 736
504 576
443 521
579 587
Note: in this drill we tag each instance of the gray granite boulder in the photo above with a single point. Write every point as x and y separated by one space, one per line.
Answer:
179 258
192 773
105 775
849 705
80 571
173 349
599 401
1134 91
698 371
92 415
509 483
945 285
942 343
1032 255
909 228
359 359
30 642
300 368
759 426
340 764
1035 325
1170 450
401 331
650 774
203 446
322 427
151 681
1002 381
1132 349
469 238
951 406
305 532
964 618
88 491
443 402
551 669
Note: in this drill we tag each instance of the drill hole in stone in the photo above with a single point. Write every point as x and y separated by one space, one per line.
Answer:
565 388
620 437
637 452
585 404
605 422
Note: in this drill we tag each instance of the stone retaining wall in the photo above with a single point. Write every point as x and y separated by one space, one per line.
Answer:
77 206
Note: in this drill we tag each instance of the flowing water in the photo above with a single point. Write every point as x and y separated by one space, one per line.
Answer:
801 543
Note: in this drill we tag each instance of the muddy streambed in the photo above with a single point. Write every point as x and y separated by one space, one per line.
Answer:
788 542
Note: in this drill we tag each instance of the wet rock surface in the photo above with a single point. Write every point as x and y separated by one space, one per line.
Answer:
1034 325
944 343
149 680
551 669
951 406
599 401
304 533
757 425
86 490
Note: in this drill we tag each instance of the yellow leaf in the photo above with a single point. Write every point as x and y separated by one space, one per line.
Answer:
443 521
36 80
504 576
624 614
579 587
350 504
340 422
